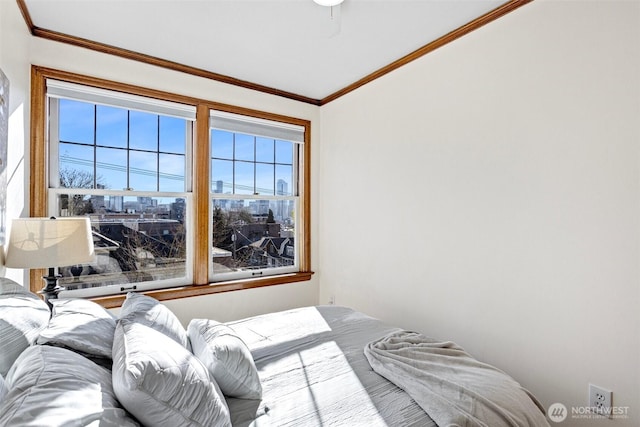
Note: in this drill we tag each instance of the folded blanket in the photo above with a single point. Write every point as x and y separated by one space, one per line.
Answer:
451 386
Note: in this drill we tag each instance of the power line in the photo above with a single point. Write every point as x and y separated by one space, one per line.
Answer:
147 172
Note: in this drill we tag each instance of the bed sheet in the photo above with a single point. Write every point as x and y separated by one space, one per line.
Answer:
314 373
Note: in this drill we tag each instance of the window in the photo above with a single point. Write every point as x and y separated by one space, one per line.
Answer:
255 197
185 196
124 162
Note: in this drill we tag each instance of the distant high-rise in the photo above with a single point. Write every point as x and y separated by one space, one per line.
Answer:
259 207
144 202
116 203
219 185
282 189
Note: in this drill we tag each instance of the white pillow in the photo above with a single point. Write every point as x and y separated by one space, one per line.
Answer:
22 316
226 357
80 325
148 311
53 386
161 383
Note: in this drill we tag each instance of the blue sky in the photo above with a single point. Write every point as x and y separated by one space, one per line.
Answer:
166 135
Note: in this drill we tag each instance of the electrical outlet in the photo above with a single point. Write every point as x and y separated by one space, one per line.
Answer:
600 400
332 300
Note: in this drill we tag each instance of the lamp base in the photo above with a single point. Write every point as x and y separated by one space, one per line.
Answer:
51 288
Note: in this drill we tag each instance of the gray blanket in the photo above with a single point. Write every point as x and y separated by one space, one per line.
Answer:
451 386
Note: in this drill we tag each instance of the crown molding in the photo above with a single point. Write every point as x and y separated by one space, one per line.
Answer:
36 31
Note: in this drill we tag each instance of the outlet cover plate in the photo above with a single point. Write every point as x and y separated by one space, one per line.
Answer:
600 400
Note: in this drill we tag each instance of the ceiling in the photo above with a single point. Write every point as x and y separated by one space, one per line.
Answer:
293 48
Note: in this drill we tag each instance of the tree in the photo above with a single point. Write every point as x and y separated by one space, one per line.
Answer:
221 229
78 204
75 178
245 216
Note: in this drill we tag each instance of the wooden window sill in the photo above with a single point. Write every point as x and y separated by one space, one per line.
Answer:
113 301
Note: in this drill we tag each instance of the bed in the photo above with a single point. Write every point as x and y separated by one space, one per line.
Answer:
314 372
311 366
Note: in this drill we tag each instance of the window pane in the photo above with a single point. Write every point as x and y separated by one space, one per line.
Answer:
253 234
221 176
143 131
76 166
284 180
284 152
111 129
137 239
143 172
264 179
265 150
284 212
173 135
76 121
221 144
243 178
244 147
172 172
111 168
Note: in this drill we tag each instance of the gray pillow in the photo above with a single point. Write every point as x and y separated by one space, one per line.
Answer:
22 316
227 358
161 383
80 325
148 311
53 386
3 389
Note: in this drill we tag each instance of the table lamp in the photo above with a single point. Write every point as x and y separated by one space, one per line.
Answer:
49 243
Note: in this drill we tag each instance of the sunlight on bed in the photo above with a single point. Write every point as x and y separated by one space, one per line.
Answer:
291 329
319 388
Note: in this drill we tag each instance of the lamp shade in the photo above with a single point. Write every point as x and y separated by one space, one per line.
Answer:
328 2
49 242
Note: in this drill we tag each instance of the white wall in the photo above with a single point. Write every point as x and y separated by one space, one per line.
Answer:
19 50
238 305
488 193
14 62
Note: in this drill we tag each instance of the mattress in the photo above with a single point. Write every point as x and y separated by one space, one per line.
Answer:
314 373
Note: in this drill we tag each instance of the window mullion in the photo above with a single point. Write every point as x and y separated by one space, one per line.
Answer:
95 143
189 159
233 167
158 153
128 151
296 169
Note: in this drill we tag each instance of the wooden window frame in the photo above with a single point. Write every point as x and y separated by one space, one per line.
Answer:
201 177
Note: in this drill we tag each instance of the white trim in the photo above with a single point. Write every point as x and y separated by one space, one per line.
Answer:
228 196
255 126
53 142
219 278
59 89
125 193
117 289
